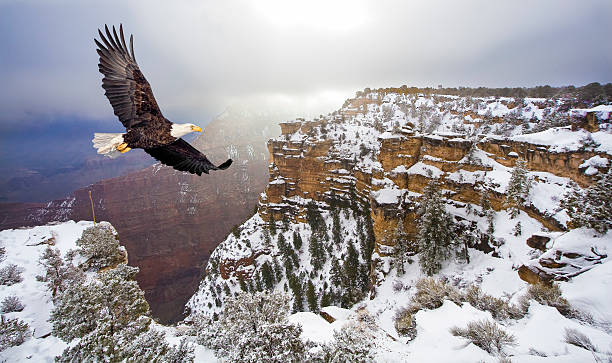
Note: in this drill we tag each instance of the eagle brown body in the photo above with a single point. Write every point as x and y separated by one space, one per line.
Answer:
133 103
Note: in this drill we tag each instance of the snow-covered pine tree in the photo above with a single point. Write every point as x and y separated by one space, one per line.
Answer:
350 344
254 328
311 297
57 272
336 235
101 248
489 213
298 292
10 274
272 225
517 231
518 189
317 253
297 241
98 312
11 304
13 332
435 231
267 275
401 248
591 207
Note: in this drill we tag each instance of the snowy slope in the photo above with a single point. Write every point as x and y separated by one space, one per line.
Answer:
24 248
355 134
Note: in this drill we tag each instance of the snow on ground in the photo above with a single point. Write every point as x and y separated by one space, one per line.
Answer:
542 329
24 248
315 328
562 139
356 134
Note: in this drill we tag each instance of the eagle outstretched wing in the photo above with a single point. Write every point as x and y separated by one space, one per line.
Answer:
126 88
182 156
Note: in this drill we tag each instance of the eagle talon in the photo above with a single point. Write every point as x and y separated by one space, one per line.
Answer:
122 147
126 149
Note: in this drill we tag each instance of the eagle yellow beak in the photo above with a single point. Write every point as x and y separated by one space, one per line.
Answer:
196 128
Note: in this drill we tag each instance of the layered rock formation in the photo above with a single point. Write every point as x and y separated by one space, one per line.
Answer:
383 160
170 221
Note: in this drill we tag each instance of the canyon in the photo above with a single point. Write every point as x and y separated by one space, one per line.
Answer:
171 221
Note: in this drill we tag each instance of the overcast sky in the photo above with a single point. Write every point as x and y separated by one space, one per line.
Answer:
303 56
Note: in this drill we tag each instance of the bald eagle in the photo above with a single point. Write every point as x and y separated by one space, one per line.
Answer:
134 104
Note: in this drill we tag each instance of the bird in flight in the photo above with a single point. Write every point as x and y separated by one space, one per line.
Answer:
133 102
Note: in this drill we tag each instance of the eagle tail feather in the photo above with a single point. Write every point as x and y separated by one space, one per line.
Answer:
106 143
225 165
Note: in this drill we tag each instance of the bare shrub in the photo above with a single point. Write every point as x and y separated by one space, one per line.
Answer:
431 293
499 308
486 335
551 295
405 323
10 275
11 304
533 351
574 337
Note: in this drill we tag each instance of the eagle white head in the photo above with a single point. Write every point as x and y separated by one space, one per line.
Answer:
180 130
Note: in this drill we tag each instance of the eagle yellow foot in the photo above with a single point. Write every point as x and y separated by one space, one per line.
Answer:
126 150
122 147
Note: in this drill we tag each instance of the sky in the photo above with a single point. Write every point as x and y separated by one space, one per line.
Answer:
304 57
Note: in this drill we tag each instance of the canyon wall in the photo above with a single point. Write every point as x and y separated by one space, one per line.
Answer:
171 221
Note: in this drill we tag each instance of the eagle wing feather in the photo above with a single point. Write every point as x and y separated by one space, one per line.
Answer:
182 156
126 88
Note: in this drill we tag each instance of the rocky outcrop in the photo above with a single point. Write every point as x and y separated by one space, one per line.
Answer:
171 221
306 164
561 261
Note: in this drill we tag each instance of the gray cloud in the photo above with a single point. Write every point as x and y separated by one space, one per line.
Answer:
303 57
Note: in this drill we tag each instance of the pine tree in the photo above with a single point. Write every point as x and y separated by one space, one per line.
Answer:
592 207
282 245
313 216
435 232
401 244
57 272
297 241
298 293
518 188
490 215
278 271
254 328
267 276
288 264
104 313
351 264
100 247
335 273
272 225
517 231
336 236
243 285
13 332
311 297
351 345
325 299
317 254
266 237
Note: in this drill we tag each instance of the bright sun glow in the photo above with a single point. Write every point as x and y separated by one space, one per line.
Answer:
341 15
